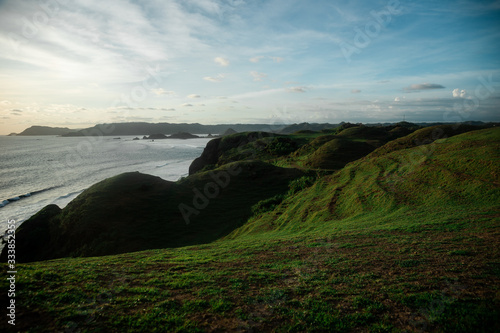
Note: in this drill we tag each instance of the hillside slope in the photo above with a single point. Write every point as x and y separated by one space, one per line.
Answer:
447 181
325 150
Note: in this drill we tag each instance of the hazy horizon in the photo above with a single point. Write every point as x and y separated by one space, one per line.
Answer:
79 63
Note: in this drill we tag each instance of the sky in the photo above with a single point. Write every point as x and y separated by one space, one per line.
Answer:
82 62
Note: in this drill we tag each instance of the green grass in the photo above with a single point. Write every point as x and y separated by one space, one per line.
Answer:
320 284
404 241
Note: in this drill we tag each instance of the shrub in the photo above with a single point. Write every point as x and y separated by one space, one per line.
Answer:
267 205
299 184
282 146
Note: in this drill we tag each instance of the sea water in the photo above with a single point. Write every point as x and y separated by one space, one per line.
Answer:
36 171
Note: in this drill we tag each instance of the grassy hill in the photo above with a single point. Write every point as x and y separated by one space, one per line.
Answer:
405 238
443 181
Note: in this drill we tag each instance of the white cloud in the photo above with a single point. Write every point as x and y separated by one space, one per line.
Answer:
457 93
209 6
222 61
297 89
256 59
355 91
397 99
256 95
217 78
186 105
161 91
259 58
258 76
193 96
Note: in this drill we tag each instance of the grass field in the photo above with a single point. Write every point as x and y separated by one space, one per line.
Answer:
404 239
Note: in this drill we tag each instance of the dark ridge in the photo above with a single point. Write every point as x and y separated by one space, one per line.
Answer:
44 130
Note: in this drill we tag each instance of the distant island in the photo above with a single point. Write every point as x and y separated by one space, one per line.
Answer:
117 129
180 135
156 130
43 130
166 129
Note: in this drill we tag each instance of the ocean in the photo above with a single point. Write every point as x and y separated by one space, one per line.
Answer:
36 171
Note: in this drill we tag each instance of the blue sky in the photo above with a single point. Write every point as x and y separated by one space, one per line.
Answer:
81 62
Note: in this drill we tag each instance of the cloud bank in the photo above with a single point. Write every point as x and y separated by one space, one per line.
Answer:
424 86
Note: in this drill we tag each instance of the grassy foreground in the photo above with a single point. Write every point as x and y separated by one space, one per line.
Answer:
404 240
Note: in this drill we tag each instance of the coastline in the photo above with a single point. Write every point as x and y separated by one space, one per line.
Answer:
53 181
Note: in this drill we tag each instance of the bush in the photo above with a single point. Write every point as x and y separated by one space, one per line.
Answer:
299 184
267 205
282 146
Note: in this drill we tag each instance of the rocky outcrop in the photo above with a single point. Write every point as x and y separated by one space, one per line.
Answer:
180 135
183 135
209 156
229 131
156 137
216 148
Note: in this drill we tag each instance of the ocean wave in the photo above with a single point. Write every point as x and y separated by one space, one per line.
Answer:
68 195
23 196
170 163
163 165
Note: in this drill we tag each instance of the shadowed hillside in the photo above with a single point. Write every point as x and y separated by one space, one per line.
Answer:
133 212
